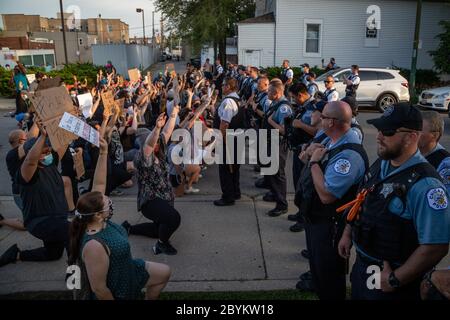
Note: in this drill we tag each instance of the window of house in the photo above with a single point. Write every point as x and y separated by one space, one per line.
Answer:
80 41
26 60
50 59
38 60
110 28
312 38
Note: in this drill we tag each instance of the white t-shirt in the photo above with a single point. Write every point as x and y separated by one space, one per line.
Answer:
228 108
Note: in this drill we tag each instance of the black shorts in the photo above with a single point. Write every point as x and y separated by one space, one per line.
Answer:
175 180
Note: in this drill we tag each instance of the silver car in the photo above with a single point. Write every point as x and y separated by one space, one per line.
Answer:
436 99
378 88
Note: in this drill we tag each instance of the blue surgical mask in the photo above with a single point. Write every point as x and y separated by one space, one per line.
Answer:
48 160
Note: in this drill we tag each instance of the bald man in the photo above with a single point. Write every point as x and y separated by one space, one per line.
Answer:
335 169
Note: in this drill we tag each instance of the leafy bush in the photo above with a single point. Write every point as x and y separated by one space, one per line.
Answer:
81 70
425 79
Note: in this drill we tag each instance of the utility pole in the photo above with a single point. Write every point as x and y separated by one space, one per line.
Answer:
63 30
143 23
162 35
412 77
101 26
153 29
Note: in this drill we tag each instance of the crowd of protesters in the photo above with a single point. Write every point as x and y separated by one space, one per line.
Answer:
330 169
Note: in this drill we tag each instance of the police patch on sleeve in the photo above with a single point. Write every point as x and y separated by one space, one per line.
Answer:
342 166
284 109
445 174
437 199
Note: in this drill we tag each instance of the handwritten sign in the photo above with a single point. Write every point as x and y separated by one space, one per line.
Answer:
80 128
108 102
31 77
134 75
78 164
50 105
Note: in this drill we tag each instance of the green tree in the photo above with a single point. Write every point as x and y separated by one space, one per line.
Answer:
205 21
441 56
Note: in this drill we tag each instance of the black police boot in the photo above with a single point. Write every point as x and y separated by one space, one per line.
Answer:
261 183
223 203
305 254
306 276
306 286
297 227
277 212
269 197
294 217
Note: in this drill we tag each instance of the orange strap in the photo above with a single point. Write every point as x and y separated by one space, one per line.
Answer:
355 206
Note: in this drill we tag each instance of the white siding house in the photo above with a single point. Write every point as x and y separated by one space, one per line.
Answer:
314 31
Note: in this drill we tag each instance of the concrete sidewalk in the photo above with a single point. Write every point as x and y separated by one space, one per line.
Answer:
220 249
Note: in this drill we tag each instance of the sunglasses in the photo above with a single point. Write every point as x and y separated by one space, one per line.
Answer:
390 133
326 81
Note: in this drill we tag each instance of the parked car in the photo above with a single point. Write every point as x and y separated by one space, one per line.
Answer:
436 99
378 88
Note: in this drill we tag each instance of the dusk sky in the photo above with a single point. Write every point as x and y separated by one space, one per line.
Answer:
119 9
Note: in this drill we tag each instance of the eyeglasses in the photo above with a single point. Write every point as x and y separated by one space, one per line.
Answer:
326 81
390 133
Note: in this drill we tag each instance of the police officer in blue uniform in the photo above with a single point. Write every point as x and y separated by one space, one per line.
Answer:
279 110
299 131
401 225
305 74
312 86
352 82
431 149
331 179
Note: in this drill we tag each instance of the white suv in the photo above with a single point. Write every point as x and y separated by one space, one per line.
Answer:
378 88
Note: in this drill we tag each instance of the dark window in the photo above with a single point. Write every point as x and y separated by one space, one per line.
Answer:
385 76
368 75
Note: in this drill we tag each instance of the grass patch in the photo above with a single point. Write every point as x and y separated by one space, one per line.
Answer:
239 295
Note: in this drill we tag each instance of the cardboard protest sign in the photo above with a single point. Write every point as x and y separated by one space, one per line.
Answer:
50 105
80 128
31 77
108 102
134 75
49 83
78 164
85 102
170 66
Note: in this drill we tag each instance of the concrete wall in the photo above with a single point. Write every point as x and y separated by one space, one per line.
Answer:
125 56
257 36
343 32
72 39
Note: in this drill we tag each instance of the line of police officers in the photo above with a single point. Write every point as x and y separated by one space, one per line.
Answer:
400 220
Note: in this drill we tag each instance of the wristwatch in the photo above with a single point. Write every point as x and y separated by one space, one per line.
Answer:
393 281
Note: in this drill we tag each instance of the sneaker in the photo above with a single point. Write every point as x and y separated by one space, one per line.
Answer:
223 203
10 255
192 190
127 226
116 192
165 248
200 176
294 217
